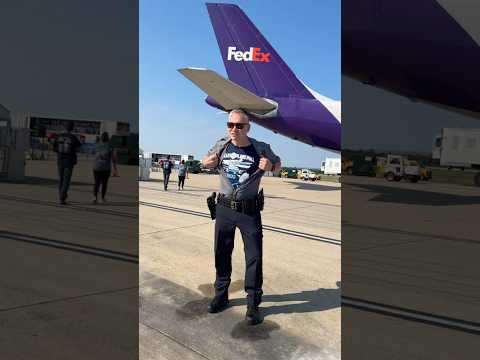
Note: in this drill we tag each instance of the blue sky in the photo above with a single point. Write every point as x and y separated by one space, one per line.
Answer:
174 117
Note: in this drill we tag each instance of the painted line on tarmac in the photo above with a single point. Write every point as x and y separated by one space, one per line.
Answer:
412 315
303 235
171 208
70 206
172 191
63 245
265 227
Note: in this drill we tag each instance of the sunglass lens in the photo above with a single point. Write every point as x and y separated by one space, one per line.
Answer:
232 125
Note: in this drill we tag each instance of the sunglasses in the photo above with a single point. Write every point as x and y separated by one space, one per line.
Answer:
239 126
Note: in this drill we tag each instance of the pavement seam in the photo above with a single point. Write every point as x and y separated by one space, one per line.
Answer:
313 203
67 299
286 210
176 228
412 315
176 341
407 232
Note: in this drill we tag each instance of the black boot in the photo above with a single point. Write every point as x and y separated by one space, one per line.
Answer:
253 315
218 304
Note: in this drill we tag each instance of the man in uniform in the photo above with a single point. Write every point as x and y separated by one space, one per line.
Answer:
66 145
241 162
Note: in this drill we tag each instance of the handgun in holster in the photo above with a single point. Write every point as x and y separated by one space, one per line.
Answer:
260 200
212 206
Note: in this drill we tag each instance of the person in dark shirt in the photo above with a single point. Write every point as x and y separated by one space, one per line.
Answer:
66 146
167 170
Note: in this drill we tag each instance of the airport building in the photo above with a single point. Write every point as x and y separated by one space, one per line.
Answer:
173 157
43 130
88 131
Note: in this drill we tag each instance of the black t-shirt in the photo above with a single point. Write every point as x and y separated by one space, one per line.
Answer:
167 166
66 146
239 163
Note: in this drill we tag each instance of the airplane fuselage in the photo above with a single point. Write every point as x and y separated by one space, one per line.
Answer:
305 120
424 54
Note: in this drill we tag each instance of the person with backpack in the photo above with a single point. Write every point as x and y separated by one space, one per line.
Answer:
167 170
66 146
182 173
104 158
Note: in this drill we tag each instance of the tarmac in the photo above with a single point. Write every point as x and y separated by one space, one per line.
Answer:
409 259
70 284
301 302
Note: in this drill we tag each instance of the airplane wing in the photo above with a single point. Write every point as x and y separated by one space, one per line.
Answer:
226 93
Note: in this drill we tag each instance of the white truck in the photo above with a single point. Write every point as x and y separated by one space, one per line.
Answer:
332 166
459 148
307 174
398 167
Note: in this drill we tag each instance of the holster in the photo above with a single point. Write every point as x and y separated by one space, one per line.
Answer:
212 205
260 200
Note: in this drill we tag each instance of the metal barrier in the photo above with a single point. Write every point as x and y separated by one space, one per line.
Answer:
4 131
3 161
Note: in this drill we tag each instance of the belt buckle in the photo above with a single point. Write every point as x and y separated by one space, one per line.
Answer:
234 205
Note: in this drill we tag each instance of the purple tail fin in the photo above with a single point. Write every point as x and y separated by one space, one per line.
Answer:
250 60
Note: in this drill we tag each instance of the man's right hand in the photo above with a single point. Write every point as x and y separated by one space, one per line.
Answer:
210 161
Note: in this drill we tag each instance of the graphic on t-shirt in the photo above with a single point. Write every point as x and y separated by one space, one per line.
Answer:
239 163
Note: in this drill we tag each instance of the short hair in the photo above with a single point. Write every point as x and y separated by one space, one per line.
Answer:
105 137
241 112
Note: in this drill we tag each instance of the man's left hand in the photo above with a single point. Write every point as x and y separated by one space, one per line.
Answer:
265 164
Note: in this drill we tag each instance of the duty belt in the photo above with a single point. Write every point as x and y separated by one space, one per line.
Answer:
249 206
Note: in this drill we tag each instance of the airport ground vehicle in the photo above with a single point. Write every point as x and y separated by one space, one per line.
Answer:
358 165
289 173
194 166
425 173
206 170
458 148
126 147
332 166
307 174
398 167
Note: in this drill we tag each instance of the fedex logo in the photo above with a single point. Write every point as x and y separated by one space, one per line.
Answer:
254 54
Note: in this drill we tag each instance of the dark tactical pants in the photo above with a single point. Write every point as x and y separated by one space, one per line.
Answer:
64 176
251 229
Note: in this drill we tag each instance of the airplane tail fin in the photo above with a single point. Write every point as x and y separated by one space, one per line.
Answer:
249 59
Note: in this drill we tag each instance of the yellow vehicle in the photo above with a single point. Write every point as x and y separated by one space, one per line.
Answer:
288 173
425 173
347 166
